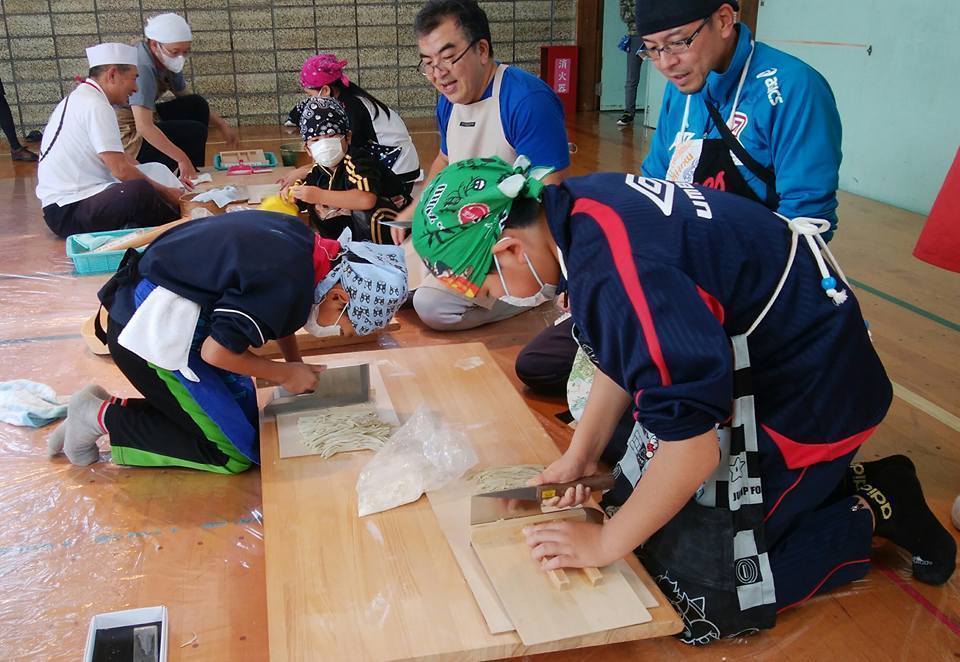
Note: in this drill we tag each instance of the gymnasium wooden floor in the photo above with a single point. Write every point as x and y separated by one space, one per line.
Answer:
77 541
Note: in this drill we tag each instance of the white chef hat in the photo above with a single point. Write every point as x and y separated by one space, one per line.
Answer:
168 28
110 53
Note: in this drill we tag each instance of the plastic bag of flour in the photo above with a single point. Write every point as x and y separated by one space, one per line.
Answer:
424 454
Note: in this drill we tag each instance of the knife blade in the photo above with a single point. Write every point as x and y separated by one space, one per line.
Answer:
540 493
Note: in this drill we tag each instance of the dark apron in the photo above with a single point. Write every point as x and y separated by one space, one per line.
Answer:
717 170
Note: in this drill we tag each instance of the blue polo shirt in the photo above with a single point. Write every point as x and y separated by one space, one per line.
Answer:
531 115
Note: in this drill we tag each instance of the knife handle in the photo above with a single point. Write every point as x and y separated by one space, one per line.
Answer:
596 482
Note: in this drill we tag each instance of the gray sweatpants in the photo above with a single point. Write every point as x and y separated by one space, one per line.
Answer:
443 310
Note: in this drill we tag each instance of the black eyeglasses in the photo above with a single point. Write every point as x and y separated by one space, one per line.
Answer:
674 47
426 69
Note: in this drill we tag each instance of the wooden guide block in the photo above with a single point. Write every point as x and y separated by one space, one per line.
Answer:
594 575
539 612
559 578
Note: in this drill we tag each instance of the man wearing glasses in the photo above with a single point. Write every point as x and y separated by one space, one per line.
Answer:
739 115
485 109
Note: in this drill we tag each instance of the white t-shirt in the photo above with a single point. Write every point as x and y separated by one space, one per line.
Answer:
73 171
392 132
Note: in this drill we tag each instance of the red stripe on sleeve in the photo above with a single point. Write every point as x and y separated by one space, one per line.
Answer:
619 242
716 308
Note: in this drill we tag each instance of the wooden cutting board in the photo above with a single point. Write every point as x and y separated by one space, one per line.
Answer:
540 611
451 506
387 586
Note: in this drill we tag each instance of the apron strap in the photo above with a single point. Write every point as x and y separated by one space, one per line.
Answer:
53 141
98 329
766 175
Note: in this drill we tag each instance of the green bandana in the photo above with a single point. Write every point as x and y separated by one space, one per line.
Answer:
462 212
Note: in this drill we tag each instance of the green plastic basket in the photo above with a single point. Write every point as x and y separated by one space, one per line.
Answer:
271 162
87 262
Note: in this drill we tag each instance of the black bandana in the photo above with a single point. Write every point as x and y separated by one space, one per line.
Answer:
657 15
323 116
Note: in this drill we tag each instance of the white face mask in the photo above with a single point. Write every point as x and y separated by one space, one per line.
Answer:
327 152
545 293
173 63
314 329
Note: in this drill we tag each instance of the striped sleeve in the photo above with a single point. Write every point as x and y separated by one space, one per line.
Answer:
362 174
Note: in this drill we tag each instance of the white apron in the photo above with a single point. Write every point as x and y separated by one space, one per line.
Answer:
475 130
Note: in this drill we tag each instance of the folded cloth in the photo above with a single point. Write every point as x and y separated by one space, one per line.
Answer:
161 330
91 242
29 403
222 196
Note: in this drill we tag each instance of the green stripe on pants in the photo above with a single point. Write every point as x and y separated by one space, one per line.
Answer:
236 462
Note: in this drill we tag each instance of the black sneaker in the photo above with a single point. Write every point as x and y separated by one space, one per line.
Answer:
625 120
34 136
23 154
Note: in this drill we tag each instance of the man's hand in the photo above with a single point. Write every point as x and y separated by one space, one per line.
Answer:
310 194
187 172
568 544
170 194
230 137
301 377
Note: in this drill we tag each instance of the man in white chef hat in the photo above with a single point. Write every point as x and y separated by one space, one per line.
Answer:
85 181
171 132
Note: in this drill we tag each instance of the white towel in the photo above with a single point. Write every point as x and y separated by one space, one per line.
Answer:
160 174
161 331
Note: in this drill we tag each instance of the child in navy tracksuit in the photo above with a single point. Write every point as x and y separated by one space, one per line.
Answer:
726 329
183 317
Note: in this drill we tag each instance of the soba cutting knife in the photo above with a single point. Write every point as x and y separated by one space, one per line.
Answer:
527 500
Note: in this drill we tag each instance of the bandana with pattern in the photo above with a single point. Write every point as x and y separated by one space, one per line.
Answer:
462 212
375 278
323 116
323 69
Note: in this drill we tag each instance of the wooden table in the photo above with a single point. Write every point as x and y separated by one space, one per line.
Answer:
387 586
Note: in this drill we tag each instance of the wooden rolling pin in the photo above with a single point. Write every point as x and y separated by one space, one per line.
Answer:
138 239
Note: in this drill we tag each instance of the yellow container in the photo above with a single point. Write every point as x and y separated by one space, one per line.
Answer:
278 204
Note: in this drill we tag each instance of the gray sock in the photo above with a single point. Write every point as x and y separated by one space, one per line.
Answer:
55 440
83 425
57 437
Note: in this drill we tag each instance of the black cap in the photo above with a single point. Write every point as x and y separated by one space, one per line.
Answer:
658 15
